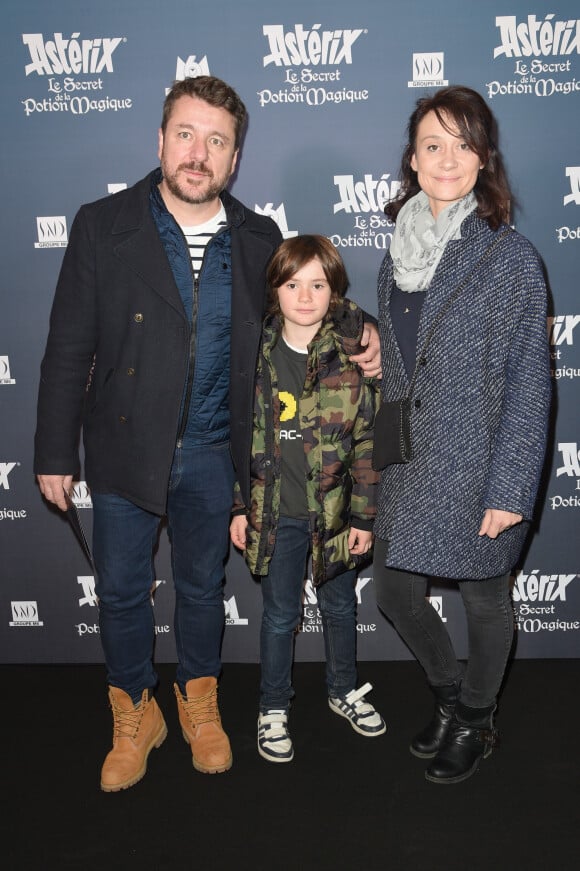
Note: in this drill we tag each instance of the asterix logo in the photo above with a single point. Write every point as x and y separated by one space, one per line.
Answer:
570 459
366 200
302 47
366 196
573 173
564 233
540 588
311 618
89 597
547 37
561 329
571 469
311 62
5 469
535 597
561 332
62 56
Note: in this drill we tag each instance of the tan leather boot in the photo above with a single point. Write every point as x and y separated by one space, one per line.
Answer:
202 726
137 729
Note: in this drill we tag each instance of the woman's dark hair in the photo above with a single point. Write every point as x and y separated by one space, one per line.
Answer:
295 253
212 90
462 110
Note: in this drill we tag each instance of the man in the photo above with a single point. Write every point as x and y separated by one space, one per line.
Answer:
152 346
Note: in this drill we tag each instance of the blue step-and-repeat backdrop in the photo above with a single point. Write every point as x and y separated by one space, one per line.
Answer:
329 87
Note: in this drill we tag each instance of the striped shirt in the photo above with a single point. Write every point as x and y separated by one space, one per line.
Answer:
198 237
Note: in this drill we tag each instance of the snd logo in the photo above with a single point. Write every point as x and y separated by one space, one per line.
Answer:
25 614
52 232
428 70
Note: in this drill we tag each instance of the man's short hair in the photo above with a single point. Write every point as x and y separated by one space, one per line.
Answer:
213 91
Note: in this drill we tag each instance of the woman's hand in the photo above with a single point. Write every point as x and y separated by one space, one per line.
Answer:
495 521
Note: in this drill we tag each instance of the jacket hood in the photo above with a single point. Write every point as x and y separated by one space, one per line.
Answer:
345 323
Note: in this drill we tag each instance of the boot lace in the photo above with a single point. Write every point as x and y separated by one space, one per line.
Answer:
203 709
126 724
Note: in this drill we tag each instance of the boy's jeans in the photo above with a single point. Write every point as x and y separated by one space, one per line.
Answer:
282 591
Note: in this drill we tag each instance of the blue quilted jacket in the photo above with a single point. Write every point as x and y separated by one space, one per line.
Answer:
204 415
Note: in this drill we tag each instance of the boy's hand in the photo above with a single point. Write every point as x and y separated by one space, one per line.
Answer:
238 528
359 541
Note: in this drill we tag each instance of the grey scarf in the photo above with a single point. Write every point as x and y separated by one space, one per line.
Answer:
419 239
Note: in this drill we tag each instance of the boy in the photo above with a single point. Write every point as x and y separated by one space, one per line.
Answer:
313 487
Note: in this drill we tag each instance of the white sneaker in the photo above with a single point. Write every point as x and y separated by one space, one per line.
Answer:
361 714
274 742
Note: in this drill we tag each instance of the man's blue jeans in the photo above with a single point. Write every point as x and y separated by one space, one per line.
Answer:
282 590
124 536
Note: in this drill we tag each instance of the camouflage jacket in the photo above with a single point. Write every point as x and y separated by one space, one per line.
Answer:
336 413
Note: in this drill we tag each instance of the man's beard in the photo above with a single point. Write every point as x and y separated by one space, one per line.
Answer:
188 193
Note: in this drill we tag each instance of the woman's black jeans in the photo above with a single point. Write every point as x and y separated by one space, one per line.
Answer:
490 623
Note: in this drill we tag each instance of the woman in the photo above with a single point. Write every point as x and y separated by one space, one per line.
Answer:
459 509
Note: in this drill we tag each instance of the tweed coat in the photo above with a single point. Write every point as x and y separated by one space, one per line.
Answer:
479 409
118 315
336 411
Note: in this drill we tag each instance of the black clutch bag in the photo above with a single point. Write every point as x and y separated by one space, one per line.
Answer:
392 438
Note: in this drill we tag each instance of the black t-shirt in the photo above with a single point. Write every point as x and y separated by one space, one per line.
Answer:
290 366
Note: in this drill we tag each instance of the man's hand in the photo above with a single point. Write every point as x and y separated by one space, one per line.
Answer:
495 521
53 488
369 360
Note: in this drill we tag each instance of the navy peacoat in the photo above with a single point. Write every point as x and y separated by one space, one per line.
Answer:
117 351
479 410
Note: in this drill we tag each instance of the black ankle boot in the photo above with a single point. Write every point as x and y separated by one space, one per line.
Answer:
465 744
426 744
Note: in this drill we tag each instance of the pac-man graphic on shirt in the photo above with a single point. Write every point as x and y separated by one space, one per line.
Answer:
287 406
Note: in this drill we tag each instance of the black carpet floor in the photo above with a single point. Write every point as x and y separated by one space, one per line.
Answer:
345 802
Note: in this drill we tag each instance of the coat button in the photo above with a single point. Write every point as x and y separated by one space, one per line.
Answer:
417 403
423 361
138 318
122 419
130 371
